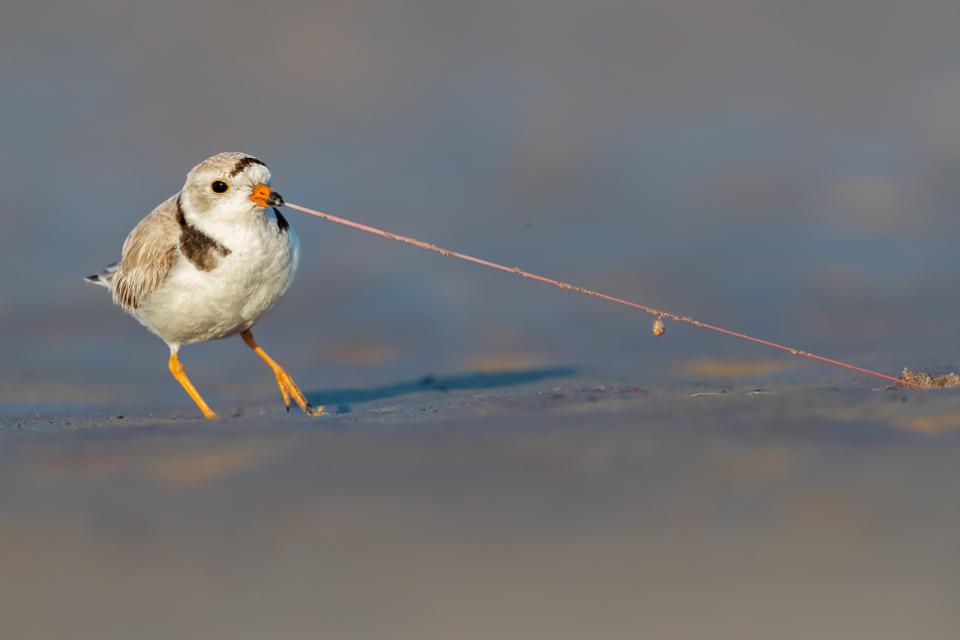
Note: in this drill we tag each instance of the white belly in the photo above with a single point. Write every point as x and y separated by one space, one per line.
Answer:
194 305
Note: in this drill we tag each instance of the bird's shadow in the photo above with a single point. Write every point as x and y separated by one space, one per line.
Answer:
340 400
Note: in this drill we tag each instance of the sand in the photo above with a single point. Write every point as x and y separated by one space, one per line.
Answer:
555 507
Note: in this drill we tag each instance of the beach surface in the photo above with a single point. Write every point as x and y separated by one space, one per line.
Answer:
501 459
538 503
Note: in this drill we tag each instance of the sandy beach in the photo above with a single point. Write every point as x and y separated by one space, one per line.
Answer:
500 460
565 509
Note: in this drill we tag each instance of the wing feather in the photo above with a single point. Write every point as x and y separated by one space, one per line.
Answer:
149 253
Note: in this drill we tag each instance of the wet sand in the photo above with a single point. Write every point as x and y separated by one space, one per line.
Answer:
546 508
502 460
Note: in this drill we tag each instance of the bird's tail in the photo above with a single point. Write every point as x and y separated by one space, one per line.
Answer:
104 277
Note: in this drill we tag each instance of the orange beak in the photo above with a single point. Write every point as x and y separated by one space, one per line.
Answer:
264 196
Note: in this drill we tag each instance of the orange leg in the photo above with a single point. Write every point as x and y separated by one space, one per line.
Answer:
287 386
177 370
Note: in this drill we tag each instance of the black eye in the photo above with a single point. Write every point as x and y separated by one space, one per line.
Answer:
219 186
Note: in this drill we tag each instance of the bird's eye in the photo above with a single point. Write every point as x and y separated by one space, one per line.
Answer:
219 186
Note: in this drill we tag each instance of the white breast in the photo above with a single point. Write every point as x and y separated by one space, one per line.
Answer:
194 305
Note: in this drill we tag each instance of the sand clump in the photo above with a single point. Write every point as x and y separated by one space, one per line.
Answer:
945 381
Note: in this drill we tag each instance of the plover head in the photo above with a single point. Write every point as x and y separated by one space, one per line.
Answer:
227 188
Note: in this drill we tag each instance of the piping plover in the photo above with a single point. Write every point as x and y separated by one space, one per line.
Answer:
208 263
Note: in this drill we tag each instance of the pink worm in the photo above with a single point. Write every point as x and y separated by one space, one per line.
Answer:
596 294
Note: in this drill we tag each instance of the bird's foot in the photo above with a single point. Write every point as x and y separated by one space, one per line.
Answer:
289 388
176 368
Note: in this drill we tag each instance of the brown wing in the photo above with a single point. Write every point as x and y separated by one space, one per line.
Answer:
149 253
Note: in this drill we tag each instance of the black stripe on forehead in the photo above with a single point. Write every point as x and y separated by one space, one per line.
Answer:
243 163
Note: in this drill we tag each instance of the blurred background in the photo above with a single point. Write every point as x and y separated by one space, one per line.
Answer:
789 169
784 168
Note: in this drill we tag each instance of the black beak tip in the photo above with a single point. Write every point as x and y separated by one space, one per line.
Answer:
275 199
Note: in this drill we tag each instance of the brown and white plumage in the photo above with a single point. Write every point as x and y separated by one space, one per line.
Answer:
148 254
208 262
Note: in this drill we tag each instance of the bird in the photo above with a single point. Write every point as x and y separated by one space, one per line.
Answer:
208 263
